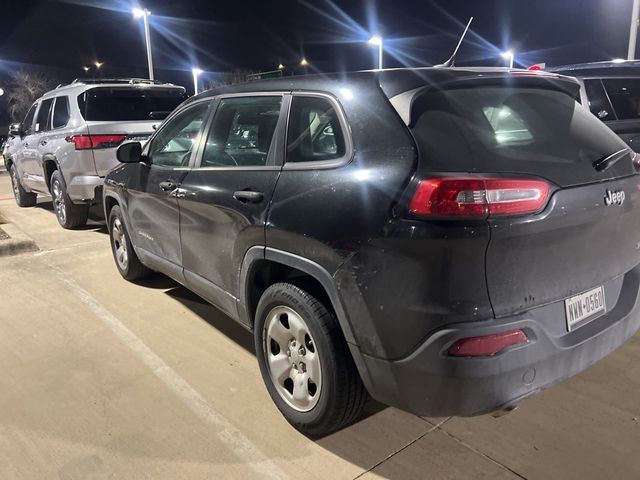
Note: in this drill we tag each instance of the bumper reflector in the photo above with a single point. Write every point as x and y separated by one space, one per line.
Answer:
487 345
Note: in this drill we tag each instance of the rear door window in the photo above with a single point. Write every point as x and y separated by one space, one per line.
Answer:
314 132
60 112
129 104
507 129
625 96
598 102
43 121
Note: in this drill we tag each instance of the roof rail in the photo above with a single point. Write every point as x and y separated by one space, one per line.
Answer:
129 81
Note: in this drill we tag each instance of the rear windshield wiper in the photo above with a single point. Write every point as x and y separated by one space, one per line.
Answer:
605 162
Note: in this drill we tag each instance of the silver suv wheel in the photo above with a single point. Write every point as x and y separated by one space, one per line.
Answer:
292 359
14 183
58 201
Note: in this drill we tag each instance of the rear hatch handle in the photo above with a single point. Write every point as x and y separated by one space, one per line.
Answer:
605 162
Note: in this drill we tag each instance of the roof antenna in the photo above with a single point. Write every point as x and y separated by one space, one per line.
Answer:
452 60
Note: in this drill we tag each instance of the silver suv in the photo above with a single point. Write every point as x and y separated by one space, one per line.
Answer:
67 142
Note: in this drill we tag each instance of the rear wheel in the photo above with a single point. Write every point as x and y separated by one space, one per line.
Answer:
128 263
23 198
305 362
69 214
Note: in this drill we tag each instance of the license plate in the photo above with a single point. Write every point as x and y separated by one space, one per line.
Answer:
583 306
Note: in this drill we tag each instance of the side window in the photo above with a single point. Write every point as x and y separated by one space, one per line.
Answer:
625 96
27 123
60 112
598 101
314 132
173 144
242 132
44 114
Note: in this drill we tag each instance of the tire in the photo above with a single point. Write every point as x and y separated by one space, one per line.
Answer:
23 198
70 215
330 392
127 262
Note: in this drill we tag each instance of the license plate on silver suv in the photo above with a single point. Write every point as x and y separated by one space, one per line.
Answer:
583 306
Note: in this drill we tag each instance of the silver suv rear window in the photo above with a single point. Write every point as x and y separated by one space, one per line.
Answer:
129 104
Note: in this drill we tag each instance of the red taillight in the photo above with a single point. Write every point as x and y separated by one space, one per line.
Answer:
479 196
92 142
487 345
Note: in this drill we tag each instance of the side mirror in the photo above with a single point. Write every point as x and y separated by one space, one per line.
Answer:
130 152
15 129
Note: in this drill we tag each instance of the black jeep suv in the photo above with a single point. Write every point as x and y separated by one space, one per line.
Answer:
448 240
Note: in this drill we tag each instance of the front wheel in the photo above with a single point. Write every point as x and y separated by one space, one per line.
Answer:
23 198
305 362
69 214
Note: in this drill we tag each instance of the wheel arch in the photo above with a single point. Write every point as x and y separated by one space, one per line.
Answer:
110 200
285 266
49 165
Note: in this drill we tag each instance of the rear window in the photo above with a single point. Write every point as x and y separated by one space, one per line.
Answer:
510 129
129 104
625 96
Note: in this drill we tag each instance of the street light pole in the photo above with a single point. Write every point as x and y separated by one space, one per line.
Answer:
196 72
508 55
144 13
633 31
378 42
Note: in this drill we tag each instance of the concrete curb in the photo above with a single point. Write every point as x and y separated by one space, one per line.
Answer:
18 243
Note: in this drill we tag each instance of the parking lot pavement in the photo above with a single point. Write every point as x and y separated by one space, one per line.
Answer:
102 378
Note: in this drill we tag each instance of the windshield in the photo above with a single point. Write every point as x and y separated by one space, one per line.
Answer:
512 129
127 104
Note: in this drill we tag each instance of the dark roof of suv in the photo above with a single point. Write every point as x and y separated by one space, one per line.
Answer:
392 81
627 68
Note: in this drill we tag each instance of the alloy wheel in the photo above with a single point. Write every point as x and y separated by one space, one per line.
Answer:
120 244
58 201
292 359
14 183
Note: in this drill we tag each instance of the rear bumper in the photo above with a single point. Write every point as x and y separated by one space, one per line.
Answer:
431 383
82 188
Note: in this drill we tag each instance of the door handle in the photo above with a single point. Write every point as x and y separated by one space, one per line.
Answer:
167 185
248 196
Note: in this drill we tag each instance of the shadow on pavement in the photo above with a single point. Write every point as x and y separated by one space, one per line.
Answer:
367 435
96 221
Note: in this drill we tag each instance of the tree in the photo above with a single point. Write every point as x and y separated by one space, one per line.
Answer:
23 89
220 79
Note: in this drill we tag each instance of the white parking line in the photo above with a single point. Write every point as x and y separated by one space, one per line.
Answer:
237 443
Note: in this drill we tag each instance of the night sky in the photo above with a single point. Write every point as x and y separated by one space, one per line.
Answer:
59 37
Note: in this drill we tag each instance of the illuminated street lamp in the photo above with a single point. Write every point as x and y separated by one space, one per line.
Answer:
1 92
85 68
377 41
144 13
98 64
508 55
196 72
304 63
280 66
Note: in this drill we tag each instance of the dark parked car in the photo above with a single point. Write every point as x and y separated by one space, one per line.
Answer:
450 241
612 92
